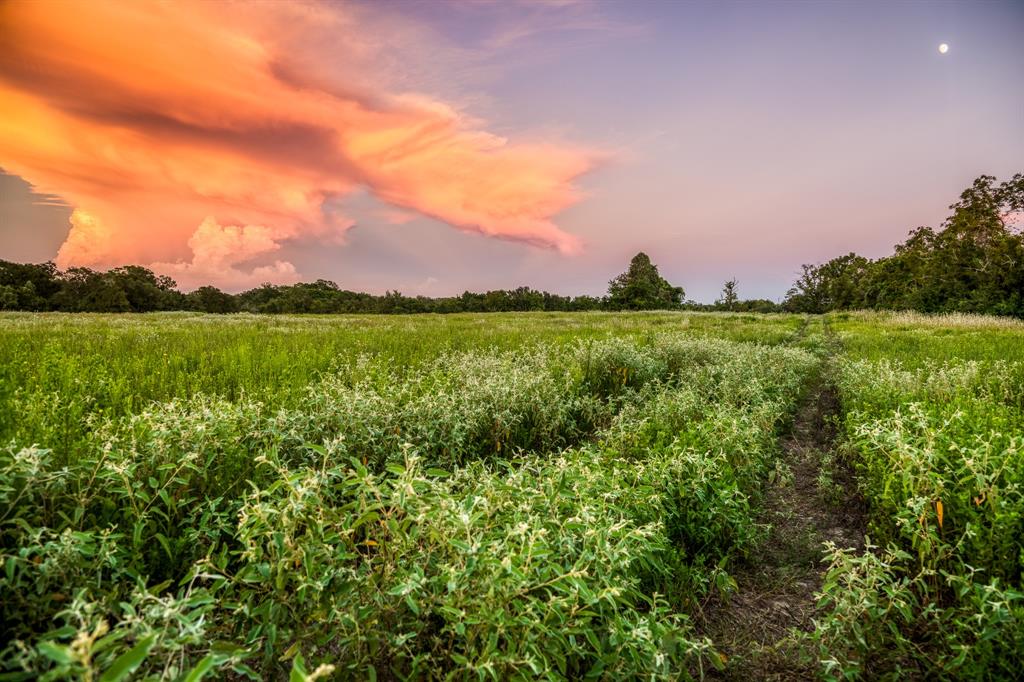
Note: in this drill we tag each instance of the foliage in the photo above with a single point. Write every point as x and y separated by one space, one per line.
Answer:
511 496
974 263
938 444
60 375
552 510
212 300
133 288
729 297
642 288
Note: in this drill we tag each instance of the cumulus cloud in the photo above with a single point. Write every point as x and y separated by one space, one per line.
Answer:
154 117
87 243
217 249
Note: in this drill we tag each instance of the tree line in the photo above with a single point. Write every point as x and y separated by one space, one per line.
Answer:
133 288
973 263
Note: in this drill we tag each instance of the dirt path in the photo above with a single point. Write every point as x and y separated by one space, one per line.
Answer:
758 627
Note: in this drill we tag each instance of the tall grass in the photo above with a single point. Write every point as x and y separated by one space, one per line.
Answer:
488 496
935 429
60 374
549 510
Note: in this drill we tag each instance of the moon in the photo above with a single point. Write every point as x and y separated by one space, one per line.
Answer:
943 48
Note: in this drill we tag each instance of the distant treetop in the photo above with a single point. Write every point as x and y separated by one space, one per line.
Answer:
642 288
973 263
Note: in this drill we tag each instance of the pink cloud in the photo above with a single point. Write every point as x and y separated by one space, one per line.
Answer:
154 118
88 242
216 249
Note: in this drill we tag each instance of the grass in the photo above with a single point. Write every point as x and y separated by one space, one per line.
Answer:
543 497
934 419
495 496
59 371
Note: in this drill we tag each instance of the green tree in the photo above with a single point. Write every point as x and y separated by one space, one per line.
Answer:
807 294
212 300
973 263
641 287
88 291
144 290
34 285
758 305
8 297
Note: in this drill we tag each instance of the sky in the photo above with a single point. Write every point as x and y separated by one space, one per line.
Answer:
437 147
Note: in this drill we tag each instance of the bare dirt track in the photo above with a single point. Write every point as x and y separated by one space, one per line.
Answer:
761 626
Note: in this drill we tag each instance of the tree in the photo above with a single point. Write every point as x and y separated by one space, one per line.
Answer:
144 290
8 297
729 296
33 285
85 290
806 295
758 305
642 288
212 300
973 263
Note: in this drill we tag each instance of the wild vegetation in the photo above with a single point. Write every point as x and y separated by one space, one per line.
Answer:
933 425
492 497
550 507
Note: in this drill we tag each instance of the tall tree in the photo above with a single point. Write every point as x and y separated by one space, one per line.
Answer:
86 290
144 290
32 285
642 288
973 263
212 300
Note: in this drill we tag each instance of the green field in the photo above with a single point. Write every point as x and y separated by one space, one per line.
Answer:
498 496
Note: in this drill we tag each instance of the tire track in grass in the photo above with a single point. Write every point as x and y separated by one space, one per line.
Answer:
762 626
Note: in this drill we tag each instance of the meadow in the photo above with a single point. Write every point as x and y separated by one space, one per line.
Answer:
495 496
933 424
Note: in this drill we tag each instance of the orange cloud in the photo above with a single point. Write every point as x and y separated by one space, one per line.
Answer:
154 118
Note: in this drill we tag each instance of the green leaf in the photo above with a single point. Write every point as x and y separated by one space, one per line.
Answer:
298 673
162 539
106 642
127 662
56 652
368 517
199 672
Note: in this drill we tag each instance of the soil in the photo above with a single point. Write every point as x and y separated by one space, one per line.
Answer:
761 627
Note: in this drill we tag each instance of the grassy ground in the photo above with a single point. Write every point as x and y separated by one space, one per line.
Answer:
496 496
57 371
764 621
932 423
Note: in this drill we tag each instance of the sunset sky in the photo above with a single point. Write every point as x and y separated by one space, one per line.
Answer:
434 147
